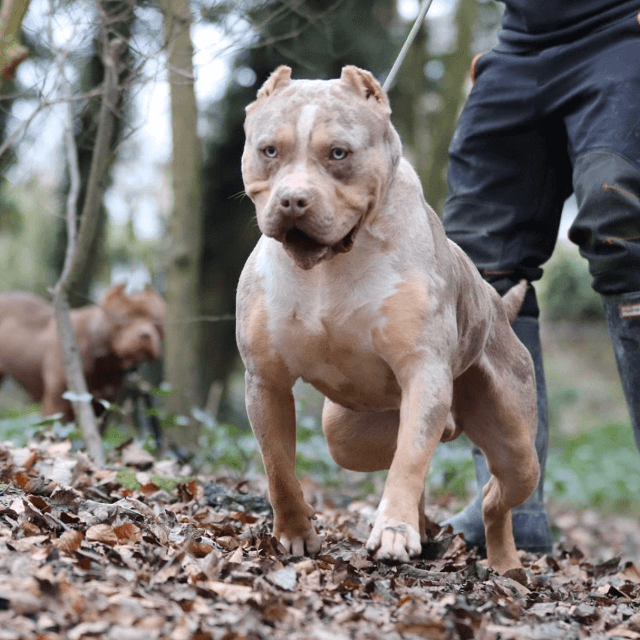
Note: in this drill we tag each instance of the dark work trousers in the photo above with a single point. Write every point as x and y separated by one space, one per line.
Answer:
539 125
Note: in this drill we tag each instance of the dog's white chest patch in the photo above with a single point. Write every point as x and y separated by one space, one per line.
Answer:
339 360
323 330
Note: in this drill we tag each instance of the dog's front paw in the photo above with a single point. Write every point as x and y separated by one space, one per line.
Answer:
300 545
295 531
394 542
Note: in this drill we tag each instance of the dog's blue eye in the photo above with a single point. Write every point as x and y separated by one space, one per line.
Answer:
270 152
338 153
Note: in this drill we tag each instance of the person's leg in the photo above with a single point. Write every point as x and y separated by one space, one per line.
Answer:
623 320
509 175
604 140
607 229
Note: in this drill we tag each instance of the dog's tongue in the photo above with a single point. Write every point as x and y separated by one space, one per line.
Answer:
305 251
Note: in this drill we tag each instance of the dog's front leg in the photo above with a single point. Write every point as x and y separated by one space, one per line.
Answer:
271 411
426 403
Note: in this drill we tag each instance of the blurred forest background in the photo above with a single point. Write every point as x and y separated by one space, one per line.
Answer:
173 211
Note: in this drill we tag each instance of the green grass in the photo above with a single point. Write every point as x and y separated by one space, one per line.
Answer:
127 478
451 470
20 425
596 469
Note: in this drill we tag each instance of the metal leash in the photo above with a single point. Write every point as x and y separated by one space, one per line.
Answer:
424 7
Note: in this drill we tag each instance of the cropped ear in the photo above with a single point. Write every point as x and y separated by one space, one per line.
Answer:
116 291
152 302
365 85
114 294
281 77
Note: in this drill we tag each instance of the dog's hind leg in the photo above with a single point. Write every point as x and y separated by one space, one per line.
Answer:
499 417
360 440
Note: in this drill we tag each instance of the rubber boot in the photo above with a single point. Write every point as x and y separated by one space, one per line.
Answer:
531 528
623 321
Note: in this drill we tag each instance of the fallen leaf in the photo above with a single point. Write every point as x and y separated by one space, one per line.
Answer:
70 541
102 533
128 533
284 578
233 592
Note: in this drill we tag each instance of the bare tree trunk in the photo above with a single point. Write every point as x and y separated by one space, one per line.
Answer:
79 242
116 21
442 124
12 52
185 235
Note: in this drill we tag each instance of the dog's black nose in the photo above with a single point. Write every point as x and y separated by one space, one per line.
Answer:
294 204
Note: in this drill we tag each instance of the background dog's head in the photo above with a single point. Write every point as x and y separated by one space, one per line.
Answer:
137 324
318 158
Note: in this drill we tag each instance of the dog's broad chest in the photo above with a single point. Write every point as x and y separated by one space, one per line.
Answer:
324 330
337 355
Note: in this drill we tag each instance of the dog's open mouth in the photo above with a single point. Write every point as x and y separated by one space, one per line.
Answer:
300 242
307 252
347 242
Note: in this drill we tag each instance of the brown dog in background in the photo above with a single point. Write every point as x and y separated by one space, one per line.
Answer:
113 336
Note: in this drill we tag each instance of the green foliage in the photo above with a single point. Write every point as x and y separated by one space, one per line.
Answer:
312 454
18 426
598 468
25 233
11 219
228 448
127 478
452 471
568 294
225 447
21 426
119 432
595 469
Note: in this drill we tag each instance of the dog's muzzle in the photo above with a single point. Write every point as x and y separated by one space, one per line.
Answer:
306 251
304 233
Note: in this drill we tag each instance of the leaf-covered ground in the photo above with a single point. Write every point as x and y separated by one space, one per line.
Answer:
83 557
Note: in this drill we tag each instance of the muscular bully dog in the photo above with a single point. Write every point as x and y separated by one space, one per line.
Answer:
113 336
355 288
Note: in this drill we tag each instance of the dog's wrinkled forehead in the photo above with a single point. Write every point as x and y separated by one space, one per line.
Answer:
353 103
312 119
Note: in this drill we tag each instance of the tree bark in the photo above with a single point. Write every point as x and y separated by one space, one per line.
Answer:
442 124
12 51
116 22
79 242
185 234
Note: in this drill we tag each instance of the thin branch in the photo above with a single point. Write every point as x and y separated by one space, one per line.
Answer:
74 185
100 157
76 382
79 241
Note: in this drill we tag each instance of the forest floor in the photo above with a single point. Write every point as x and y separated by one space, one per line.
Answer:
81 556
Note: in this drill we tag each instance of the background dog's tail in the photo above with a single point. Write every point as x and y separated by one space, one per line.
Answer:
513 299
